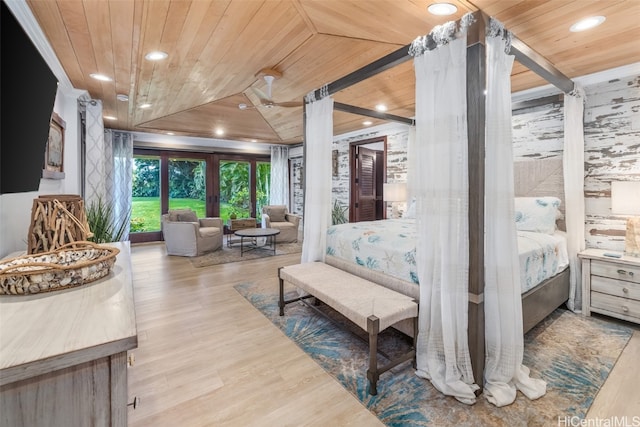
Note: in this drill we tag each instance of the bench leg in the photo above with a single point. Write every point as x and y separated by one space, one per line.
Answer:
373 327
281 300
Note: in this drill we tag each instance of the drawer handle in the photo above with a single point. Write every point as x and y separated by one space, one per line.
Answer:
621 271
625 308
135 403
625 290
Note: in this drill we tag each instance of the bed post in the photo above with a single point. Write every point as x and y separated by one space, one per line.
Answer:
476 85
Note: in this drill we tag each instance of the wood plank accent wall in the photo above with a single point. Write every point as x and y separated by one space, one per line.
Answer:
612 152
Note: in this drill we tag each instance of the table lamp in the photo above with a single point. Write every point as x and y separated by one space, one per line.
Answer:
625 200
394 192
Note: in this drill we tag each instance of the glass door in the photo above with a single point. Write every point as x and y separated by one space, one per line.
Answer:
235 190
146 207
263 182
187 185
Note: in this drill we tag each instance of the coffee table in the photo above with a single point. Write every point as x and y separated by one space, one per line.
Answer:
253 234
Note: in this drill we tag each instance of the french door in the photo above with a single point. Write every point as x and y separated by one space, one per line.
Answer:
213 185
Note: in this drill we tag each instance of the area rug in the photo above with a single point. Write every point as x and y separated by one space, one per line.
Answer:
572 353
232 254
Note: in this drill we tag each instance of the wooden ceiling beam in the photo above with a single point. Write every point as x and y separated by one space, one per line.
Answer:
372 113
523 54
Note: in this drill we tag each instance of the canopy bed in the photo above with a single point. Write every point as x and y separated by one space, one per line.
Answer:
466 259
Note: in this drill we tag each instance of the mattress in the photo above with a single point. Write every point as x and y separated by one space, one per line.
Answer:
388 246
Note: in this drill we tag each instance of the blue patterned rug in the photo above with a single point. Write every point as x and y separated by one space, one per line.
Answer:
572 353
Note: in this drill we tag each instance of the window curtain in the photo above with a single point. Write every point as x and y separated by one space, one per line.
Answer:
573 168
442 253
504 345
318 183
94 164
119 175
107 164
411 165
279 184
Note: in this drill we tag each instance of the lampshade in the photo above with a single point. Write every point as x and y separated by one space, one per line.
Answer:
625 200
625 197
395 192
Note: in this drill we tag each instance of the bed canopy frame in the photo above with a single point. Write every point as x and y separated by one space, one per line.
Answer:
476 85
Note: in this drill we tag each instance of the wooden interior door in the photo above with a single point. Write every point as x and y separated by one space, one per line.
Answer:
366 188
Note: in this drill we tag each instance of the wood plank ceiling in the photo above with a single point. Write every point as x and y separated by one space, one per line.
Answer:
217 49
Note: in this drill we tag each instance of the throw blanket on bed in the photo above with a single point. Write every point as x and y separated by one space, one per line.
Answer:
388 246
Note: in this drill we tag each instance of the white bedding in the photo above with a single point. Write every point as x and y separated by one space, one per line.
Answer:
388 246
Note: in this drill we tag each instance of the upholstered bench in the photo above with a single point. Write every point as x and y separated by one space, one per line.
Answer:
370 306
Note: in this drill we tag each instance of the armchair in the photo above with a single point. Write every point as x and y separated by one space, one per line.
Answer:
277 216
186 235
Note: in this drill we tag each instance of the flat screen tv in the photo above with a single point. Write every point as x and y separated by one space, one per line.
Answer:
27 95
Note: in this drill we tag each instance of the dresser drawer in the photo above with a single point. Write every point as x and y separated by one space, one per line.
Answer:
624 306
615 271
619 288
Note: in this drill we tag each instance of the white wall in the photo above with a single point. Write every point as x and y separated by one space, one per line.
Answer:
15 208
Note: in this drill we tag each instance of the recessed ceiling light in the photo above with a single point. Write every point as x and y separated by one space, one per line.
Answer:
367 122
254 140
219 132
144 106
122 97
170 133
100 77
109 118
156 55
587 23
442 9
381 107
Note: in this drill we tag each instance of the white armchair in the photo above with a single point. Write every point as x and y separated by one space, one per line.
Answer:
186 235
277 216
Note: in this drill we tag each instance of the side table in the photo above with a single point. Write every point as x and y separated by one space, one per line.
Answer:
610 286
234 225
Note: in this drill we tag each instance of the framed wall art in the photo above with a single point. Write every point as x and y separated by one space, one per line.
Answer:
54 153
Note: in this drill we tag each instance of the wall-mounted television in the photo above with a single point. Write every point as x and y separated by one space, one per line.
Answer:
27 95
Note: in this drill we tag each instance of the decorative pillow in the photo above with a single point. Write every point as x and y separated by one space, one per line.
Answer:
410 213
536 214
183 215
276 213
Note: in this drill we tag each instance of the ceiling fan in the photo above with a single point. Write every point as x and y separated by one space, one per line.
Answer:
266 101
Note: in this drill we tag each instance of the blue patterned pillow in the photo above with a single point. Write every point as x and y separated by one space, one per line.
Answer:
537 214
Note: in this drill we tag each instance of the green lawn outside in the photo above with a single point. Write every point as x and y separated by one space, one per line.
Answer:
145 211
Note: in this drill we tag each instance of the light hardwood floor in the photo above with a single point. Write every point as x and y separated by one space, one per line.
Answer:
206 357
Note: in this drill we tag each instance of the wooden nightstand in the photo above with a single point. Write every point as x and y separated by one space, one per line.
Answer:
610 286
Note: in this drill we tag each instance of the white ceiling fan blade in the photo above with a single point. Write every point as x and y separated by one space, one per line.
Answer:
261 95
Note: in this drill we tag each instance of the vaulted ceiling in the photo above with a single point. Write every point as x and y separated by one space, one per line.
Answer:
218 49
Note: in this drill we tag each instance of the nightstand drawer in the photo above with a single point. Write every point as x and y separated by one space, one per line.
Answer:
615 271
624 306
619 288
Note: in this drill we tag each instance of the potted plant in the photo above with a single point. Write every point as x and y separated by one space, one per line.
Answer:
338 213
103 225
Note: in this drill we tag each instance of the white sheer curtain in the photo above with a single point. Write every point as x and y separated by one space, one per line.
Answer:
504 372
119 175
412 167
573 168
442 212
318 183
279 184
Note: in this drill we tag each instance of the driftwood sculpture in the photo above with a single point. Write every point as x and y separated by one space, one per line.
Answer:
55 221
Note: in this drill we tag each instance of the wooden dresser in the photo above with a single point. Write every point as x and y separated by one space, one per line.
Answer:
610 285
63 354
